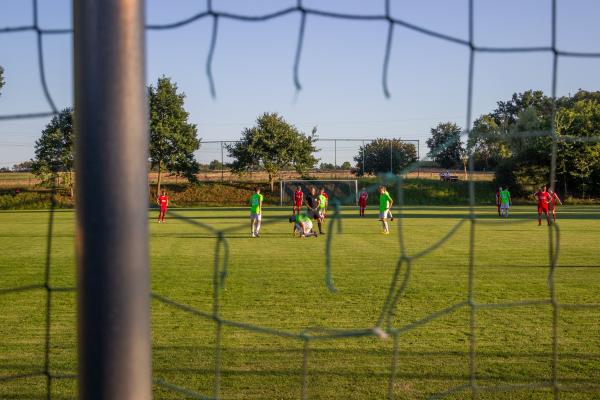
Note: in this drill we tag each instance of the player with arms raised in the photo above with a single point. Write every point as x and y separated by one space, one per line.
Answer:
298 200
362 202
543 198
552 205
163 203
256 201
385 203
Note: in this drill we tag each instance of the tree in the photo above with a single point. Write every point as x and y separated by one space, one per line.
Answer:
173 139
346 165
25 166
215 165
1 78
384 155
445 145
54 150
326 166
273 144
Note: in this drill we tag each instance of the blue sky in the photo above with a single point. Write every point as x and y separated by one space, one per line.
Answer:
340 69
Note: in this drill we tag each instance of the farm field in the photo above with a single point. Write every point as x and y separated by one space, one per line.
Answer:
279 282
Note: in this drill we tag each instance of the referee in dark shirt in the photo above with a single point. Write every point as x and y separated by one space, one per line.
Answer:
312 205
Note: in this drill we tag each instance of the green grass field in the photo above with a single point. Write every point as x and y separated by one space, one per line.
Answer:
278 282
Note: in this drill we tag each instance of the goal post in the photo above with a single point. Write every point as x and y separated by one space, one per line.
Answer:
342 191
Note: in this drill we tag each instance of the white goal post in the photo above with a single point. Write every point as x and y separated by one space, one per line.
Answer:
343 191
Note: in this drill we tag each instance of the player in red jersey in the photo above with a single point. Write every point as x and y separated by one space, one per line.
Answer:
298 200
543 198
552 205
498 199
362 201
163 203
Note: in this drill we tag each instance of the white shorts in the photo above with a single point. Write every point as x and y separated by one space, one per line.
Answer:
307 228
504 206
255 217
384 214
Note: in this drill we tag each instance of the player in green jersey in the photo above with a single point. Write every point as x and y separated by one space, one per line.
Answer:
385 203
256 201
302 225
505 202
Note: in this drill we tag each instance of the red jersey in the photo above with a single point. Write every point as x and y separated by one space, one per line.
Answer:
298 196
543 198
554 198
363 197
163 201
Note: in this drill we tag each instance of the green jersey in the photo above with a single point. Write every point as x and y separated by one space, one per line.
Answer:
255 201
322 202
504 196
384 201
302 218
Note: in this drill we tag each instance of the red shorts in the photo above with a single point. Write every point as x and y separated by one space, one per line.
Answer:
298 204
542 208
163 209
362 204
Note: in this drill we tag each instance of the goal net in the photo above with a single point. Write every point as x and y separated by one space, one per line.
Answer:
343 192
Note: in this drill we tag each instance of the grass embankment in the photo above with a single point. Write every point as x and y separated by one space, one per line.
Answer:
278 282
416 192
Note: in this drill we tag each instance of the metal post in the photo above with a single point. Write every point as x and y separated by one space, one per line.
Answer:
222 165
113 290
391 169
418 157
335 154
363 157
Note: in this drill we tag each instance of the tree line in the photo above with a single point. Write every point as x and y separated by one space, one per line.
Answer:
515 142
512 140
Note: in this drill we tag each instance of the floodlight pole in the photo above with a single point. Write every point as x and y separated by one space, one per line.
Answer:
111 200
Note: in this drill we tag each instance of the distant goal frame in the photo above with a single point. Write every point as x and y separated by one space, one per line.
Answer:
282 182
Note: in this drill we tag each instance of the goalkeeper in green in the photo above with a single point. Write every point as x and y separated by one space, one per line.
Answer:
256 201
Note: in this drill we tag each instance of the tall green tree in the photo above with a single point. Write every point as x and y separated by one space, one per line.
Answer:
445 145
273 144
54 150
384 155
173 139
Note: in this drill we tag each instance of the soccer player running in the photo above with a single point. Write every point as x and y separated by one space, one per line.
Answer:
385 203
552 205
312 207
302 225
256 201
362 201
543 198
163 203
298 200
505 201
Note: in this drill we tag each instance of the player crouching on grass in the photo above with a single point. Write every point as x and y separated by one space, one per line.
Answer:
385 203
552 204
543 198
163 203
312 207
256 201
302 225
